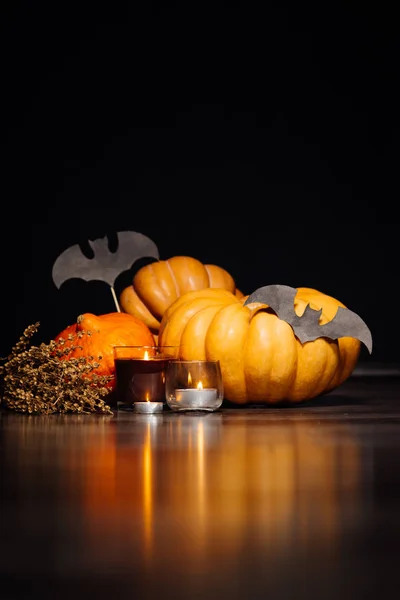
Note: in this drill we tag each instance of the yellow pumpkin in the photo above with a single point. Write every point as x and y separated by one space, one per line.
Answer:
157 285
262 361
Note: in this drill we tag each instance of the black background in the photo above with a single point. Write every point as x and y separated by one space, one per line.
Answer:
264 140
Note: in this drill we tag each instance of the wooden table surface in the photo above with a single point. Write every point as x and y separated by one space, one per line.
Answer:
257 502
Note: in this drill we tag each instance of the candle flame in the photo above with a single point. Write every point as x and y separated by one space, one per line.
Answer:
190 381
146 355
147 397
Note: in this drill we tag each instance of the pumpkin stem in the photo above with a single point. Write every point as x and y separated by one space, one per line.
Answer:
254 307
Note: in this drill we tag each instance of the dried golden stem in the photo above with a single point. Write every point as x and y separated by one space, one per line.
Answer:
43 380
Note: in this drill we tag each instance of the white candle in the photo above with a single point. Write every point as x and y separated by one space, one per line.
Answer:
148 408
196 398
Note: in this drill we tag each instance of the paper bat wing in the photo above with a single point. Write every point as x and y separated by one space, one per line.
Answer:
105 265
345 323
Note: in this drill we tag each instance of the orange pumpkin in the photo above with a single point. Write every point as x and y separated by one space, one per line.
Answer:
262 361
157 285
106 331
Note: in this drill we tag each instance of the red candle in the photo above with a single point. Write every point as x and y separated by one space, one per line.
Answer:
140 380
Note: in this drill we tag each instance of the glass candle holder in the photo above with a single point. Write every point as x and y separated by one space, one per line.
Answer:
140 376
194 385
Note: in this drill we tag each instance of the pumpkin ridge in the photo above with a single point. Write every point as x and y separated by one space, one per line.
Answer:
172 273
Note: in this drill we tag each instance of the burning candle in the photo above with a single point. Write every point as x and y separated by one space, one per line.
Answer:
148 408
194 385
140 378
196 398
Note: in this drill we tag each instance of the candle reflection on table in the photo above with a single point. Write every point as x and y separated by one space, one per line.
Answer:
191 470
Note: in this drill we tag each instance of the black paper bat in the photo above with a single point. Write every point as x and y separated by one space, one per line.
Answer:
105 265
345 323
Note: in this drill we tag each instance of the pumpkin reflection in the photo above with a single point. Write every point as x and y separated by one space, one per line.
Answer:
190 489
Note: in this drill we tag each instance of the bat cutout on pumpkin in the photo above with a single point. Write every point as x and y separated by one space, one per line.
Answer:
105 265
345 323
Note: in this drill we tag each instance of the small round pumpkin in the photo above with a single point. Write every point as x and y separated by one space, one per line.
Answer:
157 285
106 331
262 361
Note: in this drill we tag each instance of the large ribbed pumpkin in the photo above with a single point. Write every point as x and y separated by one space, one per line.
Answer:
105 332
157 285
262 361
